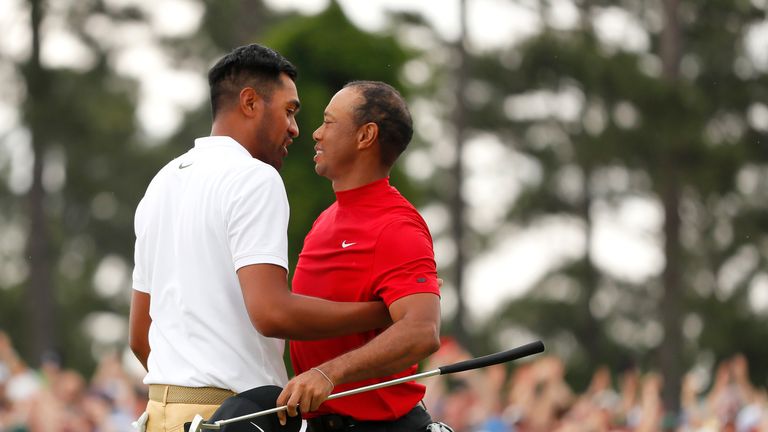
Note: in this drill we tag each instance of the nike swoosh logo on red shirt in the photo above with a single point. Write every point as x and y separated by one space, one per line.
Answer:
345 245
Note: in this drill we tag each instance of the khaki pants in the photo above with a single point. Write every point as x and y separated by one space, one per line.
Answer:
169 407
171 417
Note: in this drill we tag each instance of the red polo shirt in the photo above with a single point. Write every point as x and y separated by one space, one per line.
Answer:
371 244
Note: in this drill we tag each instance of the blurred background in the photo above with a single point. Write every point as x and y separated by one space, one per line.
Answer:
594 174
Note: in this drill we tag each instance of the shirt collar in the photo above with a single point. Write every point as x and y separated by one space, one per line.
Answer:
220 141
369 193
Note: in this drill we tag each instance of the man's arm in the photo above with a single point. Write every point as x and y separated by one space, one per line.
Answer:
257 224
276 312
9 357
413 336
139 321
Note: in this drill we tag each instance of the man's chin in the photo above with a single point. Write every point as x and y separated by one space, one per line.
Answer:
321 171
277 164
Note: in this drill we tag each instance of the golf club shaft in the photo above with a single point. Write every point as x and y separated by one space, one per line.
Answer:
476 363
335 395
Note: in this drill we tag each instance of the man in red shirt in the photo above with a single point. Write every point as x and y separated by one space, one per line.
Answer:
371 244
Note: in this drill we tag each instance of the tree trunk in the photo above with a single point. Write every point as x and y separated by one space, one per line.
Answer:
671 302
39 293
591 327
457 204
590 332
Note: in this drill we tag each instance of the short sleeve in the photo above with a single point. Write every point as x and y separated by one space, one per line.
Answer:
139 283
257 219
404 261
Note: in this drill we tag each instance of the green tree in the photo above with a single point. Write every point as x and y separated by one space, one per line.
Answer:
674 121
77 213
328 51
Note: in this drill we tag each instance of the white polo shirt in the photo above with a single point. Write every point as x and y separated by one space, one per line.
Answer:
204 215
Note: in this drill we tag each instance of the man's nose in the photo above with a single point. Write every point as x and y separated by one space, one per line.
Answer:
293 129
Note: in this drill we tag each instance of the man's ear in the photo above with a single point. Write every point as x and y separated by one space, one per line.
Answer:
367 134
251 104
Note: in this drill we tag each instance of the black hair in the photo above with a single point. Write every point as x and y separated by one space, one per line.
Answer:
384 105
251 65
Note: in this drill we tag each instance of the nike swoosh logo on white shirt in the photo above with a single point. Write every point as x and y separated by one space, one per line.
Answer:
345 245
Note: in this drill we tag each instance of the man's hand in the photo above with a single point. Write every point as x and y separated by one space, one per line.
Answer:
305 392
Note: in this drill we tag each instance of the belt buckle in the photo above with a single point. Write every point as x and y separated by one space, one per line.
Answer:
335 422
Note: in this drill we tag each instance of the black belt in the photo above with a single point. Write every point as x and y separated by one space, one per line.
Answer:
416 419
331 423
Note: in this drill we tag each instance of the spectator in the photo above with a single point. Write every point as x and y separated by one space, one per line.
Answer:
56 399
53 399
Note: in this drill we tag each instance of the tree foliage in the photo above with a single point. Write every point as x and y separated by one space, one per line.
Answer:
692 148
689 139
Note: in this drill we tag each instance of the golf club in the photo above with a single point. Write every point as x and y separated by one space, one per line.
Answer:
199 425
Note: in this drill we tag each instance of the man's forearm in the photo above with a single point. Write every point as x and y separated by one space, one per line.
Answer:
277 312
310 318
413 336
396 349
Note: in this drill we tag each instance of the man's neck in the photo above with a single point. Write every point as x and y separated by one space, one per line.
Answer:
221 128
358 178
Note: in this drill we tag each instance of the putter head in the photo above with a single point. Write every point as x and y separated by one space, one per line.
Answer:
197 424
253 401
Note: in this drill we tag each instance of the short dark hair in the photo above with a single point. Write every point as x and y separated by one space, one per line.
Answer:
251 65
384 105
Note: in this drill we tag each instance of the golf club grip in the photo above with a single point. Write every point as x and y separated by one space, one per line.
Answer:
492 359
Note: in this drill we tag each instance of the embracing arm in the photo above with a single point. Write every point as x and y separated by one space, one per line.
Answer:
277 312
413 336
139 326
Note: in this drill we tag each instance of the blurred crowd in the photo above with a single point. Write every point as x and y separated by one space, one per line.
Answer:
534 397
56 399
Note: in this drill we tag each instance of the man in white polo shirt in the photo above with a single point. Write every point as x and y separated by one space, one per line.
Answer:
210 296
